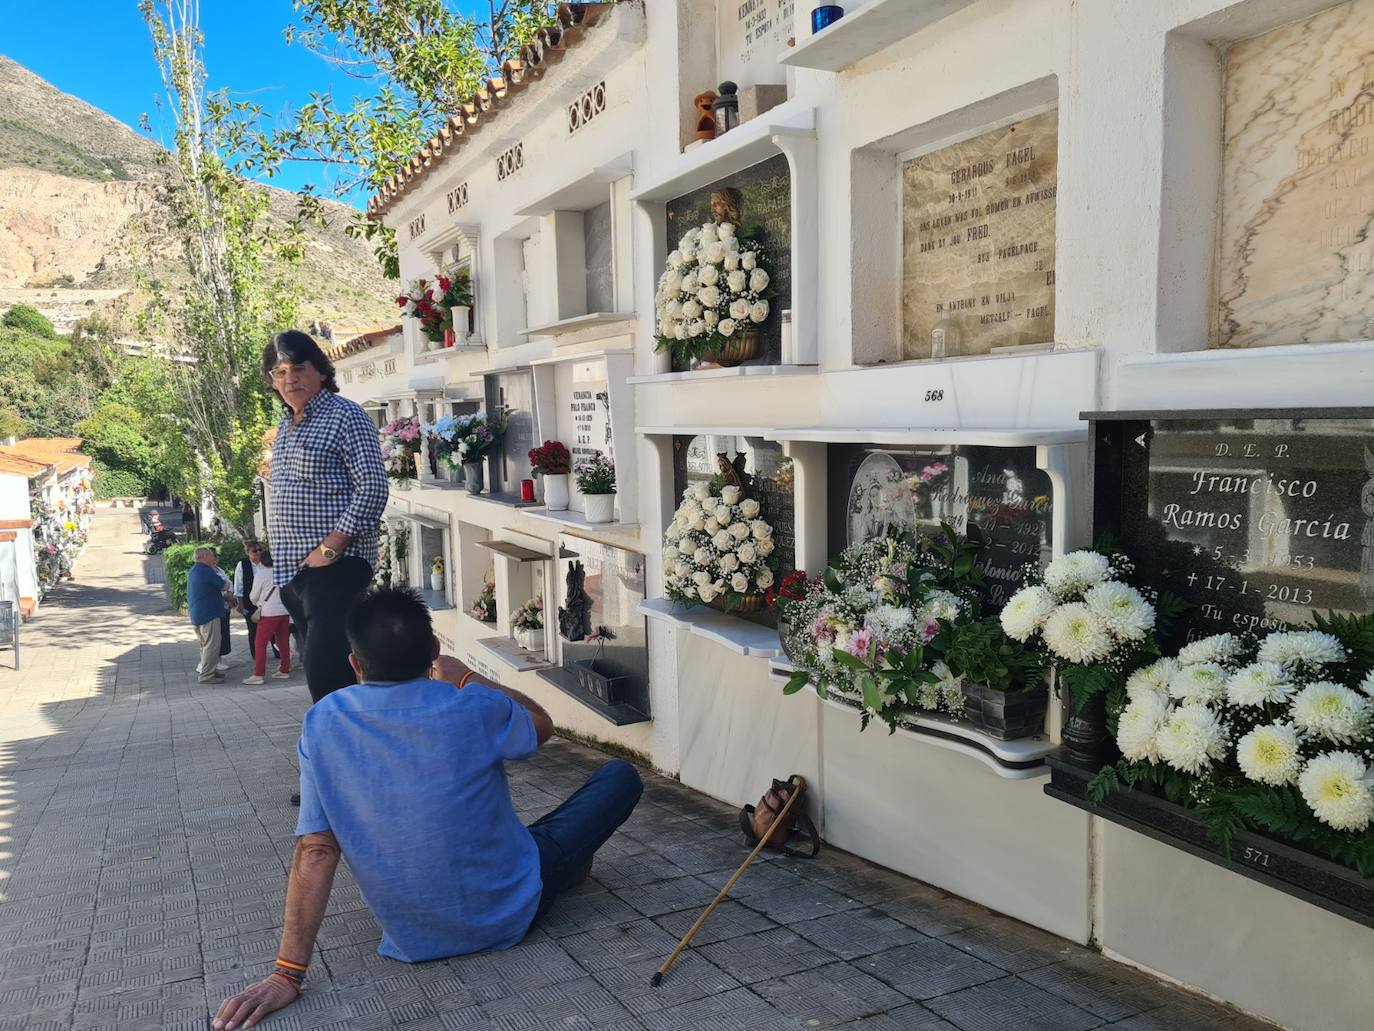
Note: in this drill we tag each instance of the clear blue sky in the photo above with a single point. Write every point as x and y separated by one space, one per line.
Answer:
99 51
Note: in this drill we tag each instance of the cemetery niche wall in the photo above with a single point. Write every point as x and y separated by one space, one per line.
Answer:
978 243
764 212
601 634
995 495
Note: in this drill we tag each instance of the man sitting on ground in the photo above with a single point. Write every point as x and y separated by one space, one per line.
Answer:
403 775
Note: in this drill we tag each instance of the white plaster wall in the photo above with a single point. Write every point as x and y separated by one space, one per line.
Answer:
21 577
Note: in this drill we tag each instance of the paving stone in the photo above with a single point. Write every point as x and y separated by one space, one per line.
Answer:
1011 1002
927 968
830 995
149 831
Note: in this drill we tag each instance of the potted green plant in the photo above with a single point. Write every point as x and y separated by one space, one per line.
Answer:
552 461
596 482
1005 693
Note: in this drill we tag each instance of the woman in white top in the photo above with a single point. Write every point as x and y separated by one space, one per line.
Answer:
274 622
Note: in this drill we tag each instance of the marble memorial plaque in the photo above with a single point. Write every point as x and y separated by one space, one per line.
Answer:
1297 194
598 251
978 242
766 213
750 37
510 458
995 495
1256 519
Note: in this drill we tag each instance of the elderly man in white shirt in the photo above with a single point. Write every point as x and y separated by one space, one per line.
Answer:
273 622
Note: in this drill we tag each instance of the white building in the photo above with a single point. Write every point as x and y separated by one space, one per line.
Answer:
990 218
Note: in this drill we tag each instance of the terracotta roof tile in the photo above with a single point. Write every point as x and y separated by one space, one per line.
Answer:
548 47
58 451
362 342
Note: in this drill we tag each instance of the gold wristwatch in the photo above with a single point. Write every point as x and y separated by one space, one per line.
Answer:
329 553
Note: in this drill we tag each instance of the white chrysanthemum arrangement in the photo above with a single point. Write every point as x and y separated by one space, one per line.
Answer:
718 548
715 287
1264 729
1083 614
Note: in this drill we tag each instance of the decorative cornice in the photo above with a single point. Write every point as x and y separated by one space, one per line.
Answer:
548 47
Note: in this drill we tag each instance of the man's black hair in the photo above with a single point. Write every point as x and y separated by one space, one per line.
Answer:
391 634
295 347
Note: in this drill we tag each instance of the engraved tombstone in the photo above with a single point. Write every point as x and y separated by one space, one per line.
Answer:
509 461
750 37
1295 254
995 495
1256 519
978 242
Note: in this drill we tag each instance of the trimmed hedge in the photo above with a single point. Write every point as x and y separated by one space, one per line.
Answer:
179 558
117 483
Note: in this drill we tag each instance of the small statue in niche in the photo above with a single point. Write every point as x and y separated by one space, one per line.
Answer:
706 120
574 618
725 205
732 474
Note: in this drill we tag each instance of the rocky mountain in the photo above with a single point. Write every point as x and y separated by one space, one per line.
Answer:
79 213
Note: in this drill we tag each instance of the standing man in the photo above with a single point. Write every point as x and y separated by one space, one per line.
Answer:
205 594
329 488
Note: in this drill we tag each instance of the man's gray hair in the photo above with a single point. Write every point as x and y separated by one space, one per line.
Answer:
202 552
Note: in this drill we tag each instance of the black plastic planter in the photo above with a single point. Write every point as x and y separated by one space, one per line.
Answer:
595 680
1325 884
1006 715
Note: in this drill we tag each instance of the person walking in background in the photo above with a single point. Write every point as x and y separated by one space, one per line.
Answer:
329 489
243 590
273 622
205 599
226 624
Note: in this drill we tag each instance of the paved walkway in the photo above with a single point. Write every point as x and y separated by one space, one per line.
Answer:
145 831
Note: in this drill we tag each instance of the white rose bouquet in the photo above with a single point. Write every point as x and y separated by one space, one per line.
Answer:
1275 735
718 549
715 288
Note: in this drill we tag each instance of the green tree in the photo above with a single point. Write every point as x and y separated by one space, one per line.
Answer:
418 61
29 320
39 380
11 422
240 281
117 437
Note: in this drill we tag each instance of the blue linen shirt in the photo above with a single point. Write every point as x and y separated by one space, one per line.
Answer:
204 594
327 474
409 778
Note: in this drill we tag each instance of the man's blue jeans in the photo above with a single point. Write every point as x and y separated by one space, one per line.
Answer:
569 836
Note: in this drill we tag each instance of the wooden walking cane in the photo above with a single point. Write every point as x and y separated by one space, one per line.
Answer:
657 979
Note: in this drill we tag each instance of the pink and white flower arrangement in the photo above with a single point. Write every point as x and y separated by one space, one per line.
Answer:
400 440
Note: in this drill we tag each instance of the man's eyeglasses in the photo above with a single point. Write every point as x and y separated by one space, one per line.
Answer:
281 373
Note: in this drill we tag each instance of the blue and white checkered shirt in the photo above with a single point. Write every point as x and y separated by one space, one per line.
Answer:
327 475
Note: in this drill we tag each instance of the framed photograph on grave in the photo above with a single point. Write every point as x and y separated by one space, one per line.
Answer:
995 495
1255 518
978 225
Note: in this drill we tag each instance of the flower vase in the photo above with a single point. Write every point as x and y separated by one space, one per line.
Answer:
436 582
459 332
453 473
556 492
1085 729
599 508
472 477
419 460
737 350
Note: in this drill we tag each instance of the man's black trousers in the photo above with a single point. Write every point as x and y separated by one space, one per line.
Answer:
319 599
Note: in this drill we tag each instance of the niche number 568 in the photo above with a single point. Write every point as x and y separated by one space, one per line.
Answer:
935 395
